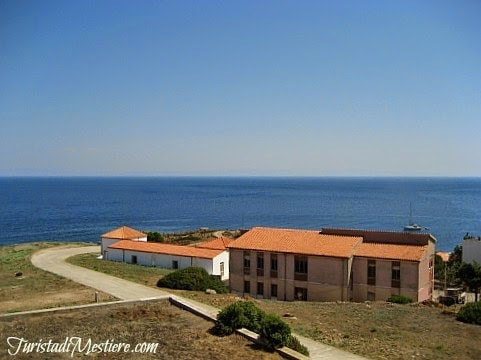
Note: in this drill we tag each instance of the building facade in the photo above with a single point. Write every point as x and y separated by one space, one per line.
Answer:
331 265
122 233
472 249
211 255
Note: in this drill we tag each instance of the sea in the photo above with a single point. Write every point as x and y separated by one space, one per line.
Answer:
83 208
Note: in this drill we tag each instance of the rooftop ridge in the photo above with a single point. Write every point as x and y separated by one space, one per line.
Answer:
382 236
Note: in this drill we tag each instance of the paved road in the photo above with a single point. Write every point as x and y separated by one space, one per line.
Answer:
53 260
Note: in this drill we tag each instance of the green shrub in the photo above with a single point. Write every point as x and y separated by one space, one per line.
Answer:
399 299
294 344
275 331
155 237
192 278
470 313
241 314
244 314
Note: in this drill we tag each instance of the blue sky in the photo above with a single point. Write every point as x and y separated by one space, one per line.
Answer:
307 88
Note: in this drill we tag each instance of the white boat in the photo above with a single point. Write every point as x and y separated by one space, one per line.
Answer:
412 226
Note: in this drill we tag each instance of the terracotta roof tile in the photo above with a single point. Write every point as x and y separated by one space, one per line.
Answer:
124 233
309 242
392 251
168 249
217 243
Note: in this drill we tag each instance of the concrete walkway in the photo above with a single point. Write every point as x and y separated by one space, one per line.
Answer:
53 260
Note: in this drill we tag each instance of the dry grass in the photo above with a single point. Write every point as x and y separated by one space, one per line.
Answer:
35 288
376 330
180 335
144 275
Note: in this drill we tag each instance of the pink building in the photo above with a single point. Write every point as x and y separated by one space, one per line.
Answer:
331 265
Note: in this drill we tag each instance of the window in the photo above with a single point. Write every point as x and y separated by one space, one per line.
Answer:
371 296
260 264
247 287
247 262
274 265
300 268
260 289
274 290
300 294
175 264
221 269
371 272
134 259
396 274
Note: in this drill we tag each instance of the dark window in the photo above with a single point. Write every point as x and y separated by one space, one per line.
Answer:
274 262
300 294
300 268
274 265
247 262
260 288
260 264
273 290
396 274
175 264
371 272
247 287
134 259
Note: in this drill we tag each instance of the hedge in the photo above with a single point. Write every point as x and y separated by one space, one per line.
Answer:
192 278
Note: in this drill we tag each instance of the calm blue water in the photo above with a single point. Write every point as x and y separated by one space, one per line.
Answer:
81 209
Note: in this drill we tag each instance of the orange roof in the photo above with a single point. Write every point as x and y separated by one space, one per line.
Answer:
392 251
168 249
124 233
309 242
217 243
444 255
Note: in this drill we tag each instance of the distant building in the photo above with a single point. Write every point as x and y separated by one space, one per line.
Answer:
444 255
471 249
130 246
122 233
332 265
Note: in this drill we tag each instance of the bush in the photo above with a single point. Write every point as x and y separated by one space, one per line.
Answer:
192 278
399 299
275 331
470 313
294 344
241 314
155 237
271 328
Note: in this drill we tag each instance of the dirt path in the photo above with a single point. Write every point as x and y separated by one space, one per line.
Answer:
53 260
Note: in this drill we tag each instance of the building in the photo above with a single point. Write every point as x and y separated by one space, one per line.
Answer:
122 233
471 249
332 264
211 255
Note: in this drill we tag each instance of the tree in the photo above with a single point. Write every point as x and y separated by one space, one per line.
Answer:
456 257
470 275
155 237
439 268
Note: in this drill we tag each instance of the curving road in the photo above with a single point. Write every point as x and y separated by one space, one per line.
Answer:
53 260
